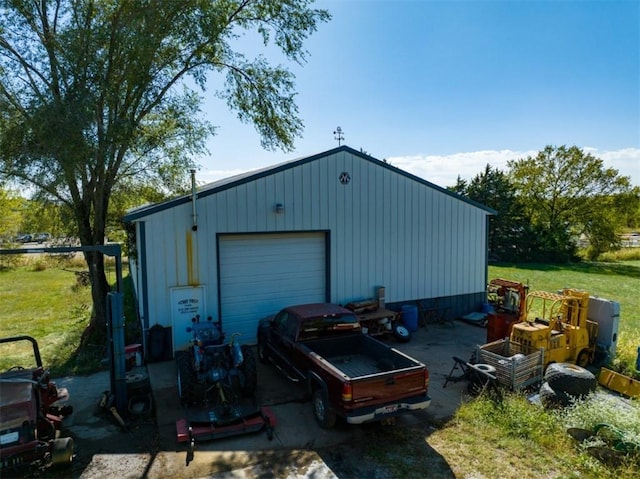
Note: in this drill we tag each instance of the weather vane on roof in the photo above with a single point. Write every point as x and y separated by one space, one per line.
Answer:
339 136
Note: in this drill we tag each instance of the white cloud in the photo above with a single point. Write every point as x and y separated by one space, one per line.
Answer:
443 170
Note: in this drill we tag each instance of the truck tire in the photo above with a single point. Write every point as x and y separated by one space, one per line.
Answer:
186 378
401 333
62 451
249 371
570 379
325 417
552 399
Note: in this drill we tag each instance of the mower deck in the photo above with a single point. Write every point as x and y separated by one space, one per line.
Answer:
207 424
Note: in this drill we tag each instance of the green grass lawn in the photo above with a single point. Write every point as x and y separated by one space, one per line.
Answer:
42 298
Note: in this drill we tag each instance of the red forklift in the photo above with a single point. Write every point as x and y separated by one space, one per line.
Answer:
507 300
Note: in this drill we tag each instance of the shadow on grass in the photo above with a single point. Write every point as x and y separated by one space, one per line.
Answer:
614 269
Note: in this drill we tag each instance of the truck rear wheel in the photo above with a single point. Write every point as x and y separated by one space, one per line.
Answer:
570 378
323 414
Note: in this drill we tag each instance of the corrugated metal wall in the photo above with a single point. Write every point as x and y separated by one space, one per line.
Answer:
386 229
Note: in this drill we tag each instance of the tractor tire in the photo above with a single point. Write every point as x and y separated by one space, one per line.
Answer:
249 371
401 333
325 417
552 399
186 378
62 452
570 379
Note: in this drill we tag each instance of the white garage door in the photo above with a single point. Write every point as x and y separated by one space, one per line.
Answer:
261 274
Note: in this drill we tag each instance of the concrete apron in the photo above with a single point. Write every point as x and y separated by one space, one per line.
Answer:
296 434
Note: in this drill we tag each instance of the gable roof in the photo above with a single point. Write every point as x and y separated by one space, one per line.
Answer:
236 180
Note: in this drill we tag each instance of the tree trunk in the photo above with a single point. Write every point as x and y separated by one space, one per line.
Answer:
99 289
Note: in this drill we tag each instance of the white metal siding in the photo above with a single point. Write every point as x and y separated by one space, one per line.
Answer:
384 229
261 274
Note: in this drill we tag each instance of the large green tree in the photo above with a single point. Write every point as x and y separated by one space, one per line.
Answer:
509 231
11 206
93 92
567 193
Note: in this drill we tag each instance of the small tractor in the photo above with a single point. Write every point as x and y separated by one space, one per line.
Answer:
558 324
216 384
31 412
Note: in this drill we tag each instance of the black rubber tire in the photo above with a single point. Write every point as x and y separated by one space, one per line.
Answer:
186 378
583 358
570 378
325 417
551 399
262 352
249 371
62 451
138 380
401 333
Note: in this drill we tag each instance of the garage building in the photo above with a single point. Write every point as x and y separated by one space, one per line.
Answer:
332 227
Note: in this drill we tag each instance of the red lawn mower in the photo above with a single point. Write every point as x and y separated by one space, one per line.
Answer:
216 385
31 412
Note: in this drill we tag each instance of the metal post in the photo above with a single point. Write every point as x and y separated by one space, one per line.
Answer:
115 327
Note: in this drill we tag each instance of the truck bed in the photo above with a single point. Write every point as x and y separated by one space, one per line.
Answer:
360 355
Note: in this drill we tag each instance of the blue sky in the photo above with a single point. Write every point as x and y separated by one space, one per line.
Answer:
441 88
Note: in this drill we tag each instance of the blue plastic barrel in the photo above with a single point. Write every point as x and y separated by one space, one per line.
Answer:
410 317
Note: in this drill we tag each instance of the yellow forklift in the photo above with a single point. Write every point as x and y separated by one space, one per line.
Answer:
557 322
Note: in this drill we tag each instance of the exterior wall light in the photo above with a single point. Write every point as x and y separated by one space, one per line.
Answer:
279 208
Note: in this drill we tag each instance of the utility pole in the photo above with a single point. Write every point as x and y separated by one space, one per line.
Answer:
338 135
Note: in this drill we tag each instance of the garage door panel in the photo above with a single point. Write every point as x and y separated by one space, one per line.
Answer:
260 274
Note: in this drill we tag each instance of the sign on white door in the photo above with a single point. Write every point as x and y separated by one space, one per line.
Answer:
186 303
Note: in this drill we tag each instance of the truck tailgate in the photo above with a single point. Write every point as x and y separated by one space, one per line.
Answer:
389 386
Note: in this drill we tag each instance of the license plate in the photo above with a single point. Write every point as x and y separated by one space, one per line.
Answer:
9 438
389 409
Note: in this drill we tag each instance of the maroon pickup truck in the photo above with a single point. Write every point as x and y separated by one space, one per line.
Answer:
348 374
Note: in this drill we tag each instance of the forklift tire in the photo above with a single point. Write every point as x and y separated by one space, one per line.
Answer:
325 417
401 333
62 451
584 358
551 399
570 379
